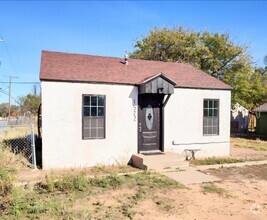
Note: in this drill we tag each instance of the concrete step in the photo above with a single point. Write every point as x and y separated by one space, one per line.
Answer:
159 161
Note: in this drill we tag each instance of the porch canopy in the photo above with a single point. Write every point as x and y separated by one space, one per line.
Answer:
158 84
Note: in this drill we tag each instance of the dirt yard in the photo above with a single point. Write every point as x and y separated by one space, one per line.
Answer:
241 194
248 149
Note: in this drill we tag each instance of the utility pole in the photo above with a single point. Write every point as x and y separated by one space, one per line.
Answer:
9 96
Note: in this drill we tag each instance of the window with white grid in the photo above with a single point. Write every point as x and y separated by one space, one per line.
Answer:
93 116
211 117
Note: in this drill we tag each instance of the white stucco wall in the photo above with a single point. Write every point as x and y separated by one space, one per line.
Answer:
183 122
63 145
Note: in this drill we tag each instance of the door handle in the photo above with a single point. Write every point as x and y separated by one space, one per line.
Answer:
140 127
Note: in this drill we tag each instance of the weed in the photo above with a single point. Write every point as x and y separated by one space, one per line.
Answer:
9 160
211 188
215 160
6 182
111 181
102 169
165 204
65 183
127 211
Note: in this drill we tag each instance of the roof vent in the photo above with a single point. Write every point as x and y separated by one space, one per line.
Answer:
126 56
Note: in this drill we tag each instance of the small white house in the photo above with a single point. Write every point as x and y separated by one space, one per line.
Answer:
101 110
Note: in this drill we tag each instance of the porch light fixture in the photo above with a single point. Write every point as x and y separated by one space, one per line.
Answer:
159 90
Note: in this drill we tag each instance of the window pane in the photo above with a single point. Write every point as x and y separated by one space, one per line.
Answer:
209 130
101 100
216 112
93 133
86 123
86 133
205 122
206 112
93 111
214 122
205 130
93 100
205 103
216 104
101 123
210 104
210 112
86 111
215 130
101 132
100 111
93 122
86 100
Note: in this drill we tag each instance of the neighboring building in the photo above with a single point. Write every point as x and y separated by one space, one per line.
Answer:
239 119
101 110
261 115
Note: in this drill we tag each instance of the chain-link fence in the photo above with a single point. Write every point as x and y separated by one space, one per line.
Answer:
19 135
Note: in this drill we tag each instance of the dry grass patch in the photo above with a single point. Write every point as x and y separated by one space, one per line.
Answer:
257 144
215 160
14 132
11 161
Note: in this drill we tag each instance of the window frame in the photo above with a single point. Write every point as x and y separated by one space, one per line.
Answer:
218 117
104 117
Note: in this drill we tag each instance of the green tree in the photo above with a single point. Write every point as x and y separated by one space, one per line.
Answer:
4 110
214 53
29 103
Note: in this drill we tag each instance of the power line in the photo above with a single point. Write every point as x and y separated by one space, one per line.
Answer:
6 93
21 82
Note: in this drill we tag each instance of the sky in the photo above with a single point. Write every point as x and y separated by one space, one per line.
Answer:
109 28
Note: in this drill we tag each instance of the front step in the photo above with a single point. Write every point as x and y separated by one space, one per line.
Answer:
159 161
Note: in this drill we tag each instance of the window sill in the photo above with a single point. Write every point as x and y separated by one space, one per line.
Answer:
208 135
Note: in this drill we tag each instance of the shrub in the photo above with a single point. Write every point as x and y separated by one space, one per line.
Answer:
6 182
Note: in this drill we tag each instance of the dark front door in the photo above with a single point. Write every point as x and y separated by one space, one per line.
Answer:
149 122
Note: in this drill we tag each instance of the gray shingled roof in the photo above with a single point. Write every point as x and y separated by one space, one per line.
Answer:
261 108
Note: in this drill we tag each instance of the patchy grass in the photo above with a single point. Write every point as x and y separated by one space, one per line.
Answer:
236 173
57 196
215 160
257 144
101 169
211 188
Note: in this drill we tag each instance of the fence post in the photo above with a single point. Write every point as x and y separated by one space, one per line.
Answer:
33 147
